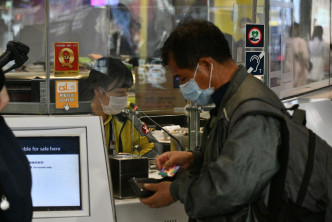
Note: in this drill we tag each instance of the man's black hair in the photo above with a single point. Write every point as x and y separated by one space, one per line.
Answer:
193 39
107 71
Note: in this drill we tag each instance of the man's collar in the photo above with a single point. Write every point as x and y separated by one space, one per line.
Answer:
217 97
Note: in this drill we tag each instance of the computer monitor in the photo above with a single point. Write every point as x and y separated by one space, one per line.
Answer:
70 171
58 161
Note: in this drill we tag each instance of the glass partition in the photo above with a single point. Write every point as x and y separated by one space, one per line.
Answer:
297 46
281 46
300 30
25 22
155 89
132 31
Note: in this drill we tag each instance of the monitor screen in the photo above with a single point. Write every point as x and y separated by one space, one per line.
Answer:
55 167
69 165
57 159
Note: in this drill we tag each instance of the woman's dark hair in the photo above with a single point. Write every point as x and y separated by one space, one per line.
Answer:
193 39
107 71
294 30
318 32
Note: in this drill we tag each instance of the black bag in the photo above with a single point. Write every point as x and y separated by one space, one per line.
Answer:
2 79
301 191
15 178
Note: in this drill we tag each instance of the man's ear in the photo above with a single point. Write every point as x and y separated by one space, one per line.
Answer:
205 62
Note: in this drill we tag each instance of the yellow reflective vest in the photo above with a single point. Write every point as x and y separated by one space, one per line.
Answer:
119 131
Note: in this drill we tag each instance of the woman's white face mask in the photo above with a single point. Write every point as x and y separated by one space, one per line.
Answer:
115 105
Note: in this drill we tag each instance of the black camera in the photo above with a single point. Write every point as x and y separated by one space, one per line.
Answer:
16 51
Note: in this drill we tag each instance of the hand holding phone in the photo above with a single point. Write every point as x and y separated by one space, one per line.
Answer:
137 185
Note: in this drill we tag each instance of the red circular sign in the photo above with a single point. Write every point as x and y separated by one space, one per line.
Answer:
255 36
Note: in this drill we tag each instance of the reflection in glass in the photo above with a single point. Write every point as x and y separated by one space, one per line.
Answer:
30 29
300 50
24 22
319 55
281 52
135 30
143 30
319 41
301 56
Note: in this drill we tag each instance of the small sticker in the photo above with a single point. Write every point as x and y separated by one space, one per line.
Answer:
255 62
254 35
66 94
145 129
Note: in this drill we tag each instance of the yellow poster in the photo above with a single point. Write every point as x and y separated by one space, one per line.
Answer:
66 94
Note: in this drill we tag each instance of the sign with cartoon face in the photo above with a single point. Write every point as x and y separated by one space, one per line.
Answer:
254 35
66 58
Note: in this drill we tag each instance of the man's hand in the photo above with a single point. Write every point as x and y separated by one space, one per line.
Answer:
169 159
4 98
162 196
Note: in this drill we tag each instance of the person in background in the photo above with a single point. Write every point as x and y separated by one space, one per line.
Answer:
107 89
124 36
230 172
319 55
15 175
301 57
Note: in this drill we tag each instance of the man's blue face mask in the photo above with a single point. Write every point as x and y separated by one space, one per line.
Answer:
191 91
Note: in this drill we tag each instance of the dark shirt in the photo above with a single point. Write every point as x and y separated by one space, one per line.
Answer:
15 177
217 97
2 79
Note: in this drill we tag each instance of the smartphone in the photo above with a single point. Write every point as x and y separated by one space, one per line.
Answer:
137 184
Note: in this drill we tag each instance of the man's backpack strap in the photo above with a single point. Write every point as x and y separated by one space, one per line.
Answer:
298 114
253 107
259 107
308 169
277 191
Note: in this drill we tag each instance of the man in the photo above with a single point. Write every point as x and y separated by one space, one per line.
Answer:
230 172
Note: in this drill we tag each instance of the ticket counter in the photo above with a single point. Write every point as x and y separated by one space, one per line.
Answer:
77 186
